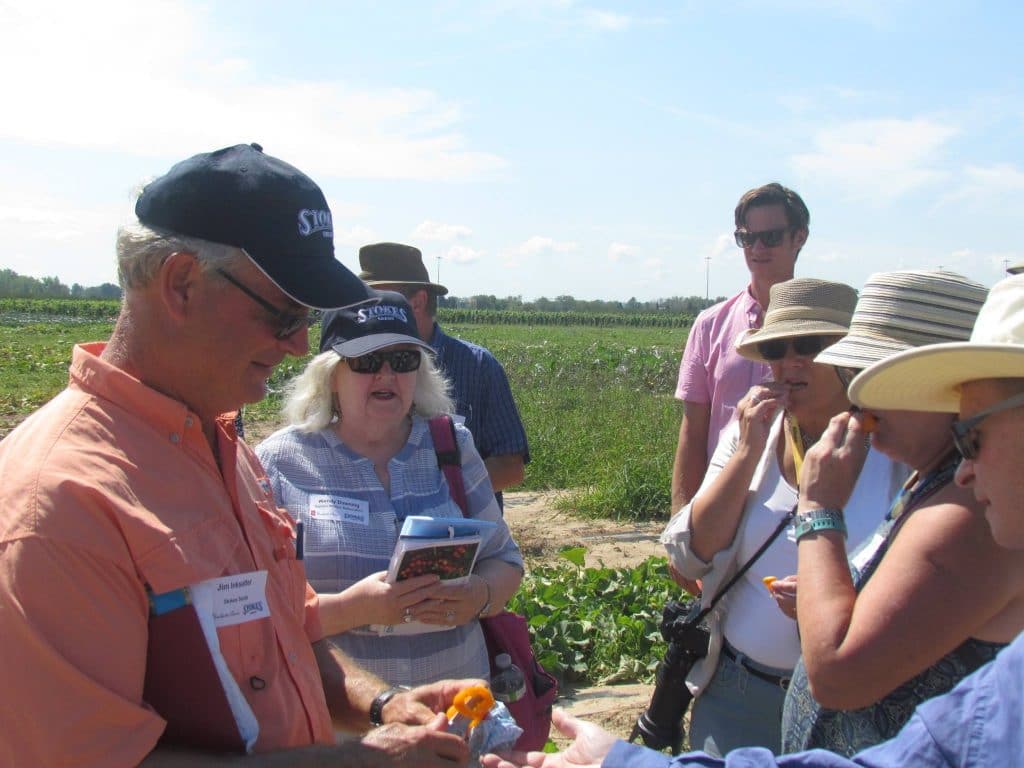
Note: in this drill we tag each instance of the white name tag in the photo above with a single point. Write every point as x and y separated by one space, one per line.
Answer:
234 599
339 509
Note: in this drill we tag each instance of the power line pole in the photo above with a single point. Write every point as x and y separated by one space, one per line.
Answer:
439 270
707 277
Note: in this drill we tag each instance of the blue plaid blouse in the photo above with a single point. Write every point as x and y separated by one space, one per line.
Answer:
302 466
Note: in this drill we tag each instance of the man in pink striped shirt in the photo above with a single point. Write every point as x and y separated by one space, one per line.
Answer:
771 227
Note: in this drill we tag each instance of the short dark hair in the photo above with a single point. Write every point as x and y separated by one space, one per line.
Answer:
775 194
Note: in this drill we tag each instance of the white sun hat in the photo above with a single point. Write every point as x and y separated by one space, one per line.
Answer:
928 378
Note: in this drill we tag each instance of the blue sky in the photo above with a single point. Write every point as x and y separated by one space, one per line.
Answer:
538 148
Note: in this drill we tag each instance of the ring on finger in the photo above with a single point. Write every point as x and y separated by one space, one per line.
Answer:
449 615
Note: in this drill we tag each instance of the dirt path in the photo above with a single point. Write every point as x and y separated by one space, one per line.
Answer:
541 532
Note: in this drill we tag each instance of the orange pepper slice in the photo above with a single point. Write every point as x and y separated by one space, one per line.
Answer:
768 581
474 702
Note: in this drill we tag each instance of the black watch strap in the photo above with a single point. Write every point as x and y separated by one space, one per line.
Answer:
382 698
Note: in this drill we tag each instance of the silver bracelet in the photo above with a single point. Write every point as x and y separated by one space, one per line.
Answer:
815 520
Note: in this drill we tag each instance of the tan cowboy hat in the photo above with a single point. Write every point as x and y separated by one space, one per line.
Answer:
802 306
902 310
928 378
393 264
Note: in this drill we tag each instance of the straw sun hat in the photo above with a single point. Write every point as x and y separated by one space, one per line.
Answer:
897 311
803 306
928 378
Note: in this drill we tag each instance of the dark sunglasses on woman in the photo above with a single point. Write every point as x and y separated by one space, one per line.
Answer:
803 346
400 360
965 431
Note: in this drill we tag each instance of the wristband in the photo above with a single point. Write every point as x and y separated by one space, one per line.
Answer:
815 520
382 698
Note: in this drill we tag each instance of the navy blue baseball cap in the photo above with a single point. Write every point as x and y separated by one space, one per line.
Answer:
356 331
274 212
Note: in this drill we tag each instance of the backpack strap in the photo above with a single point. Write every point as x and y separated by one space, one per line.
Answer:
449 461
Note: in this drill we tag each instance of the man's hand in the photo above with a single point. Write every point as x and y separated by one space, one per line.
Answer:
420 705
590 745
421 745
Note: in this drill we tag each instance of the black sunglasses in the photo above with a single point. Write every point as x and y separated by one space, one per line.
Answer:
400 360
770 237
285 323
803 346
965 431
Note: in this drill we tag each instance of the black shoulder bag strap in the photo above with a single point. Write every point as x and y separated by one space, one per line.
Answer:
783 523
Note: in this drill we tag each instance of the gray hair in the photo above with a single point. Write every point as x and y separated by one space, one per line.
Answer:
309 396
141 250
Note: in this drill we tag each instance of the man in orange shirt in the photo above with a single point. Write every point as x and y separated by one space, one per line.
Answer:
152 597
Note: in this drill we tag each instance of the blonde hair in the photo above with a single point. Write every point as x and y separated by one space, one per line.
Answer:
309 397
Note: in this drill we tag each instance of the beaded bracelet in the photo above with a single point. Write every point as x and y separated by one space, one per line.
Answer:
816 520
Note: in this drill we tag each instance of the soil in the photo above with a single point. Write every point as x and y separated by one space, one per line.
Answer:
541 532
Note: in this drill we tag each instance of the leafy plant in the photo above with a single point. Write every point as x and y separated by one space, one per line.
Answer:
576 636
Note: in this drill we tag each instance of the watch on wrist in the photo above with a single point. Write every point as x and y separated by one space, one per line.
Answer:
382 698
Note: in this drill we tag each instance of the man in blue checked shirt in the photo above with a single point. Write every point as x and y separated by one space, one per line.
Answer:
480 387
981 721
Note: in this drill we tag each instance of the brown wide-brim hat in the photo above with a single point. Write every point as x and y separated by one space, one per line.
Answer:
393 264
803 306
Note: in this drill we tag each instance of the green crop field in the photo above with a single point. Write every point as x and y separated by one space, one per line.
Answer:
596 400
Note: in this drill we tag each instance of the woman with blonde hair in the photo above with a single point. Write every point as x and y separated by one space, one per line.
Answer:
357 459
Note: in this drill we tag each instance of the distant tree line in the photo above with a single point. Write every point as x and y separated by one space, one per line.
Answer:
677 305
15 286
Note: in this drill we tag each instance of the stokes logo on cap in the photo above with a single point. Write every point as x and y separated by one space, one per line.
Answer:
381 312
311 222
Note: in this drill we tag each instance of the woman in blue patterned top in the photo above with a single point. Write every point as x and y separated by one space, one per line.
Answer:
356 460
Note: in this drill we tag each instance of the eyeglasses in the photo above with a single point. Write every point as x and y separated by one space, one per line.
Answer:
803 346
285 323
965 431
400 360
846 375
770 237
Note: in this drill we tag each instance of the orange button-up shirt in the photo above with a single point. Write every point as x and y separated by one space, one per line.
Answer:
109 488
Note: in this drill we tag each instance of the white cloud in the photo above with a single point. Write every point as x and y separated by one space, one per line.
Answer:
434 230
461 254
537 245
878 159
621 251
122 84
354 236
605 20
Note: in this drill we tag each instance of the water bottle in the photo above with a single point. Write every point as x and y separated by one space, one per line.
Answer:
508 683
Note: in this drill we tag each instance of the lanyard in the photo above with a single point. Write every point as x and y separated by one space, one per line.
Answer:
917 488
795 438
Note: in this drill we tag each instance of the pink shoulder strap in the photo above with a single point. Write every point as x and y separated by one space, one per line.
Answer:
442 430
